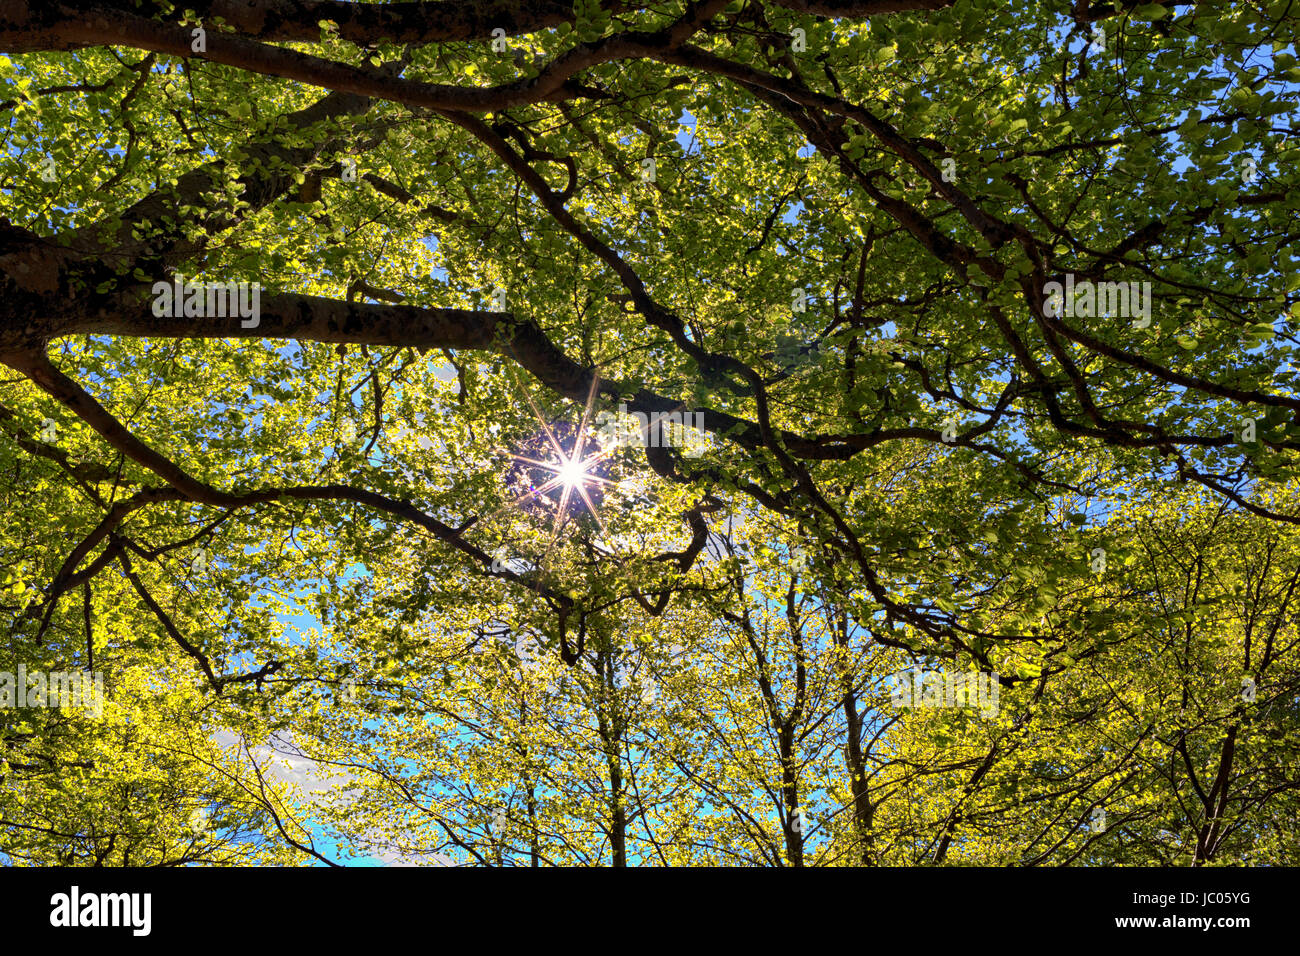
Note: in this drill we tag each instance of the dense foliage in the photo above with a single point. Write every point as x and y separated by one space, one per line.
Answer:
985 314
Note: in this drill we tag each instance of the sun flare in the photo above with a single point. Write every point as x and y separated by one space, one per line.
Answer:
572 471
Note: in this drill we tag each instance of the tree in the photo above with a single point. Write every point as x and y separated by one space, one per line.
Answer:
342 341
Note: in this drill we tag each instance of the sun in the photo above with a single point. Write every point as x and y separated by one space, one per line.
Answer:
572 471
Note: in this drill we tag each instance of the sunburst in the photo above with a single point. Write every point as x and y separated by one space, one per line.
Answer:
570 470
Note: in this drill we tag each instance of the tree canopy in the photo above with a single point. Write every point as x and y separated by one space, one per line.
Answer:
340 343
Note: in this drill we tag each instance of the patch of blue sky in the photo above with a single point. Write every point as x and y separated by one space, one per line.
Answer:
686 137
438 272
